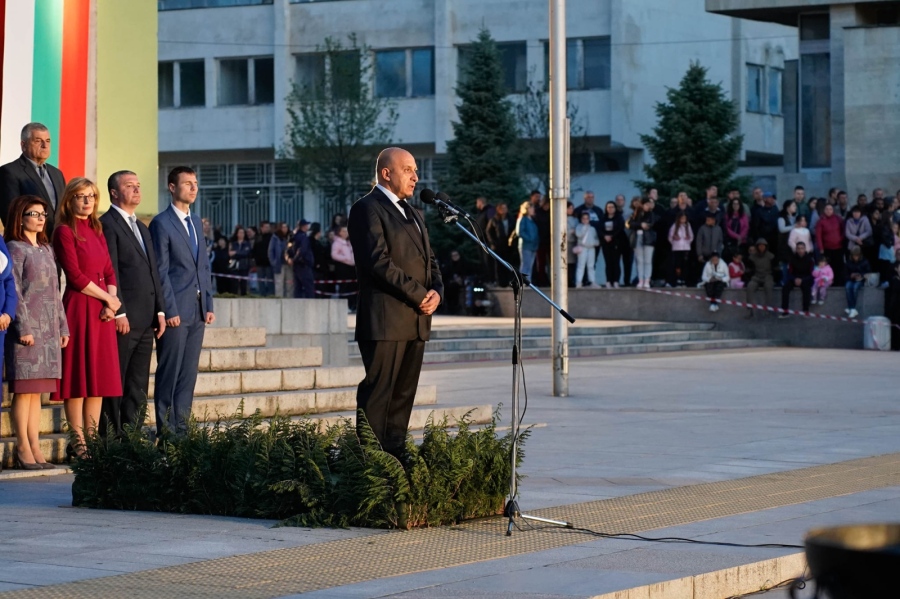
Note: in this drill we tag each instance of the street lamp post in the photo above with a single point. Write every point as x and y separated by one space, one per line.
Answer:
559 195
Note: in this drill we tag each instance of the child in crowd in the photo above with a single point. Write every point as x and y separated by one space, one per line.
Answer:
587 241
736 270
823 277
715 280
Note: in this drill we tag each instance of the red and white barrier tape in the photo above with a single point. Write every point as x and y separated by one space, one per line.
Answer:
762 307
317 281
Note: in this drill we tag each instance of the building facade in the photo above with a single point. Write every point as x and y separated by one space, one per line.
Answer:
843 129
225 72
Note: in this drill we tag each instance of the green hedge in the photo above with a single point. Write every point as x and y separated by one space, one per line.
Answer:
289 470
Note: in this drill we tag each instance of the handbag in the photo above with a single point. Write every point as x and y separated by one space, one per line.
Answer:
577 249
886 253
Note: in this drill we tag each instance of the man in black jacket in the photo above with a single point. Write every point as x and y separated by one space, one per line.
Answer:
260 253
142 311
30 174
800 270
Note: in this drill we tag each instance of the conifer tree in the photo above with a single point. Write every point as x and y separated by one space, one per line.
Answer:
696 142
482 158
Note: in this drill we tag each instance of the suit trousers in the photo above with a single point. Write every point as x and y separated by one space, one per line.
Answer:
135 353
178 358
387 393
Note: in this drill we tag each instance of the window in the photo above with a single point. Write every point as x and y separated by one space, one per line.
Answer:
345 74
233 85
246 81
182 84
166 85
815 110
587 63
404 73
606 161
181 4
512 63
337 73
310 75
774 82
192 80
814 27
755 74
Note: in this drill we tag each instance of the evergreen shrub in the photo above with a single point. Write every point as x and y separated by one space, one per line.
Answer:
300 474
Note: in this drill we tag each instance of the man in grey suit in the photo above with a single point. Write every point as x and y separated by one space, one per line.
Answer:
186 283
30 174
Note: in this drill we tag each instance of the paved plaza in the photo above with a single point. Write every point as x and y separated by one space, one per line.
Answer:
749 447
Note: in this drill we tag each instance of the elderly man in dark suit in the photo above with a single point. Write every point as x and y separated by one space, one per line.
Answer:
186 283
142 311
399 289
30 174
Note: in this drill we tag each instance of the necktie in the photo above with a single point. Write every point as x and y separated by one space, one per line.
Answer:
48 184
408 211
137 232
192 236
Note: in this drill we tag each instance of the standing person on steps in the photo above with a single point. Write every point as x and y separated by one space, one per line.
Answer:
91 302
142 314
31 174
185 279
400 287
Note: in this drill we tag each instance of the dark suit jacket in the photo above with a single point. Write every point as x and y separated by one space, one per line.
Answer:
179 275
136 271
19 178
395 268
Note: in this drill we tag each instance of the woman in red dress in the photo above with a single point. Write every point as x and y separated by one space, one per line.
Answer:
90 362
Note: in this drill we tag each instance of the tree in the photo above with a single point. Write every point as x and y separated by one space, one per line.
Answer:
337 125
696 142
483 157
532 112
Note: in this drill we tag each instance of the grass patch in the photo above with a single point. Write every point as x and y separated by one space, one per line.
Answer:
289 470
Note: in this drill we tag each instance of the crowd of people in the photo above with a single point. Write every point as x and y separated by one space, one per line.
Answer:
275 260
808 243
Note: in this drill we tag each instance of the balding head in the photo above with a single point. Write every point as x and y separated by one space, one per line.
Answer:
395 169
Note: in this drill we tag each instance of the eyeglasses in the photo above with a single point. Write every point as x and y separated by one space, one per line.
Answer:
36 214
85 196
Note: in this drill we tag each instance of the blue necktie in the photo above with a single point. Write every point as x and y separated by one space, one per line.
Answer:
193 237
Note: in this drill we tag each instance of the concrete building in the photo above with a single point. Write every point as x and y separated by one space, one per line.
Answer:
842 103
226 70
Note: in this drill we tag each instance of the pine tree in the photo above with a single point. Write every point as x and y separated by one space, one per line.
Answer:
696 142
482 158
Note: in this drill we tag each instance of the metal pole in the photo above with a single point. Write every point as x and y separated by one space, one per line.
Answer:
559 195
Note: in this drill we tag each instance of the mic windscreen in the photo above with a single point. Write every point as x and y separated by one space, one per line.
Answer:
443 197
427 196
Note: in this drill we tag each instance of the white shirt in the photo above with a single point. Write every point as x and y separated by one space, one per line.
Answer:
396 202
183 215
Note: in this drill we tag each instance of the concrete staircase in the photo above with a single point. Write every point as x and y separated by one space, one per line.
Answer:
236 366
488 343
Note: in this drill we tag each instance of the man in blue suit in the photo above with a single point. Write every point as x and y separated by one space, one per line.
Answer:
185 278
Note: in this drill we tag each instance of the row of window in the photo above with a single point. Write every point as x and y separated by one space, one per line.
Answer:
764 89
183 4
399 73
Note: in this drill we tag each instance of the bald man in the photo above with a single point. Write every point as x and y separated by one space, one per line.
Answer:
399 289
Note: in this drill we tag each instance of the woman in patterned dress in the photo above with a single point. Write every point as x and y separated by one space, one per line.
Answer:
39 331
90 362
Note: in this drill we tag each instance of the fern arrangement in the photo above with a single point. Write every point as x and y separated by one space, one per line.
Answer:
292 471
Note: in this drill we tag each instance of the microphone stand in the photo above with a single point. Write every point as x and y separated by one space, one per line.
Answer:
519 281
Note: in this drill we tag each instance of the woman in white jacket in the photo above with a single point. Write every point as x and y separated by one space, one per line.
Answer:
588 241
715 280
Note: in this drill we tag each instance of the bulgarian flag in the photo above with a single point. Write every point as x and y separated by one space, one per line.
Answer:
47 71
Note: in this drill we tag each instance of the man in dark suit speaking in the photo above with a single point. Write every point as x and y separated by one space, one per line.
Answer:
399 289
30 174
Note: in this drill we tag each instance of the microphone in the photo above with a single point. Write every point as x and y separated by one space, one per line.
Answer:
441 200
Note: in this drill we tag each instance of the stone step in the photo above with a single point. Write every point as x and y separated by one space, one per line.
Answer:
463 332
285 379
228 383
594 351
419 417
255 358
224 337
498 343
321 405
